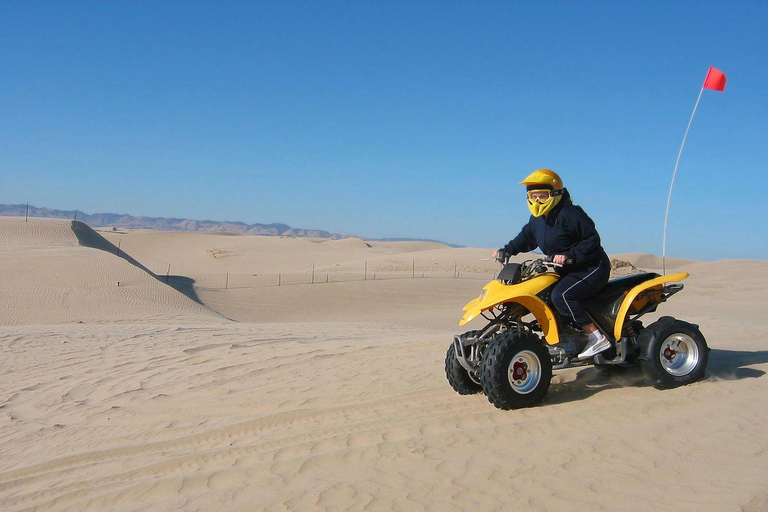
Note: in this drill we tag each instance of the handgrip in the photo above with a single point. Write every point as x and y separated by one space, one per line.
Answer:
568 261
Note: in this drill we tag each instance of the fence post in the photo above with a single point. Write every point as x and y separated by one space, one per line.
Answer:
413 269
279 278
455 275
118 247
313 273
226 283
168 272
365 274
26 214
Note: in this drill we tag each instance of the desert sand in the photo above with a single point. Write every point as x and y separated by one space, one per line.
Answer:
228 392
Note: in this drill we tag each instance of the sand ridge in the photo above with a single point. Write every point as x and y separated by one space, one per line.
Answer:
49 276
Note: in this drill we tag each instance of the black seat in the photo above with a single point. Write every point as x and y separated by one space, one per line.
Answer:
615 288
604 305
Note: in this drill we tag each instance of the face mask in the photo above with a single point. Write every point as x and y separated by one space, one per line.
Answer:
539 207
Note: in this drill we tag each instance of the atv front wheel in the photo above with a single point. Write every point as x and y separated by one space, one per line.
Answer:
673 353
459 378
516 370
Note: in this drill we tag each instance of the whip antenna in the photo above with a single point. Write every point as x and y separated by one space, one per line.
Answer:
715 80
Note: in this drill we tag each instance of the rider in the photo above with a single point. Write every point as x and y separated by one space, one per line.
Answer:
565 233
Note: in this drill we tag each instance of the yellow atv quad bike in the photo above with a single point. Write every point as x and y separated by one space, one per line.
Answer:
512 358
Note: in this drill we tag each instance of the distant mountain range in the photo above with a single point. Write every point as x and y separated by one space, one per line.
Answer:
164 224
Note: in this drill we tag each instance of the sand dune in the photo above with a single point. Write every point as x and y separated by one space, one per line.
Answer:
192 253
346 243
650 262
332 396
52 274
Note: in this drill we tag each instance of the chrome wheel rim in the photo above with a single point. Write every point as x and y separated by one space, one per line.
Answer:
679 355
524 372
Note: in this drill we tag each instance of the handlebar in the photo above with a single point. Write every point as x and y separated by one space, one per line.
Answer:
568 261
503 258
533 267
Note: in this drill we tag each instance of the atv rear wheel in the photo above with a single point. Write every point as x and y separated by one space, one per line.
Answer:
516 370
458 377
673 353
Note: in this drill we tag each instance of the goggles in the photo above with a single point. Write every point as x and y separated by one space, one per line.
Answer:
542 195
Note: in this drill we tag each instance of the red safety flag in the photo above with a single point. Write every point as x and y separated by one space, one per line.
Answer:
715 80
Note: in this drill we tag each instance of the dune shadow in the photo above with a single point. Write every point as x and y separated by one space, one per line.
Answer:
186 286
87 237
182 284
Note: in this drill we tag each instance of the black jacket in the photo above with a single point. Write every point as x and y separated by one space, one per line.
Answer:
565 230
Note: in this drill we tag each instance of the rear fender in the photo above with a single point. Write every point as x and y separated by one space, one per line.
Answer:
658 282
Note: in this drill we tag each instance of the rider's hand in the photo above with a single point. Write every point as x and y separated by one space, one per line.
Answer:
559 259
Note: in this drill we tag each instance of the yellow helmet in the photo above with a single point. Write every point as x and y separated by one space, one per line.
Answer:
545 190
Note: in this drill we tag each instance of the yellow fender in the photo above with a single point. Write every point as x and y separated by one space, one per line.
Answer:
495 293
626 304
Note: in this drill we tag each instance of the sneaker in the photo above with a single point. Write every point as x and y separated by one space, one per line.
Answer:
594 347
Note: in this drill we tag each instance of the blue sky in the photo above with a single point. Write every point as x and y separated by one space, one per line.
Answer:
393 119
